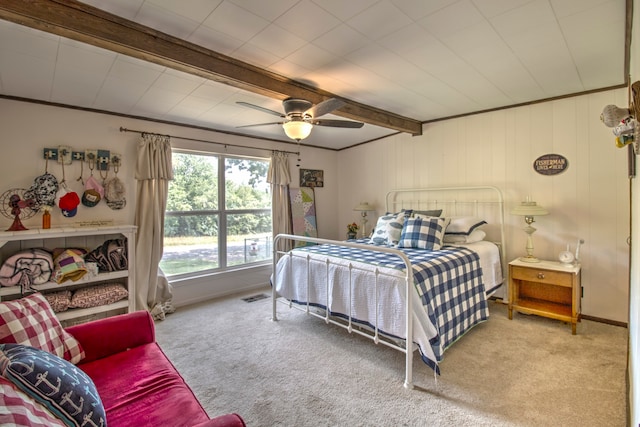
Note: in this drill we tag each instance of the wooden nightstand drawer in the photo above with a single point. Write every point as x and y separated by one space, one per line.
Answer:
546 288
542 276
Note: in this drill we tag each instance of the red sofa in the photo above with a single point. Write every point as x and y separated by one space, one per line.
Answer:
137 383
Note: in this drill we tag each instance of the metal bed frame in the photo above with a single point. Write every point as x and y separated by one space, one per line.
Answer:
395 200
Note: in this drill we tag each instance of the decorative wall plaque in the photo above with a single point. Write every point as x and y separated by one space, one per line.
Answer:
311 178
550 164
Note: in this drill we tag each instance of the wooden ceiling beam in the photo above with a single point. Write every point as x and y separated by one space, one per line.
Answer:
84 23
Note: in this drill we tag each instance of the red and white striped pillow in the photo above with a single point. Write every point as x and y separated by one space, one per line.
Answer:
31 321
18 409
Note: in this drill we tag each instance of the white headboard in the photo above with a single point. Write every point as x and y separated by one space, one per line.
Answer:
485 202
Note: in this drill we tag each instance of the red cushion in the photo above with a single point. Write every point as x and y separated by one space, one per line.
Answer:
140 387
31 321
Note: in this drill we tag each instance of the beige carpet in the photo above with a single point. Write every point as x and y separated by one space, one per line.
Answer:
528 371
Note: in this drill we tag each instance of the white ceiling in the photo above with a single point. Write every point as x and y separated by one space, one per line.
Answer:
423 59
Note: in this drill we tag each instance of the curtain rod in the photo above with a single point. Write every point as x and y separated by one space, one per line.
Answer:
122 129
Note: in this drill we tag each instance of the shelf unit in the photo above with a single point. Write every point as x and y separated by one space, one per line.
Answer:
79 237
547 288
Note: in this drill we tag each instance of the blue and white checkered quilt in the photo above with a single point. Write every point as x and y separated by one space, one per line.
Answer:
448 283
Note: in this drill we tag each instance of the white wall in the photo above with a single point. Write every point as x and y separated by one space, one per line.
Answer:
589 200
27 128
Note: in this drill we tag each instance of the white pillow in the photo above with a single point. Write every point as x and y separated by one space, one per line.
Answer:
475 236
464 224
388 229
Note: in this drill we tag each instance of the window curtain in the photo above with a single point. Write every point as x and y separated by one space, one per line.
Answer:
153 173
279 177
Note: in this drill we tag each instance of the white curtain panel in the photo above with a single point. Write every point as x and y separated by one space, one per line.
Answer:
153 173
279 177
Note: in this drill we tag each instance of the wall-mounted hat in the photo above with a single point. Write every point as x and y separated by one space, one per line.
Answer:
90 198
43 190
93 192
93 184
114 193
69 203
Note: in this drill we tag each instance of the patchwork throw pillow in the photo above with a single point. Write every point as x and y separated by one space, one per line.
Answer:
423 233
60 386
69 266
31 321
388 229
20 410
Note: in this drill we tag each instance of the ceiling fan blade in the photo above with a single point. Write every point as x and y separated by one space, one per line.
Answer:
337 123
259 108
260 124
325 107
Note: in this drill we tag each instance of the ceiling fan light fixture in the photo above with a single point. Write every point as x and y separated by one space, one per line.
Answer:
297 130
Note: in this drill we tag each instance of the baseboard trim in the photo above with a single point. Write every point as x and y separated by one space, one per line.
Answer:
607 321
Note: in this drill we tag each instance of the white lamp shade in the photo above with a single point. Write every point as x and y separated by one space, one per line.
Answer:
297 130
529 209
363 206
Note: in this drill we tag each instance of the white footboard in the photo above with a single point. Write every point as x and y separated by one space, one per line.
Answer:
285 240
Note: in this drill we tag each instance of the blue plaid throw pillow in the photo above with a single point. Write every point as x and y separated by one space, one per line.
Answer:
423 233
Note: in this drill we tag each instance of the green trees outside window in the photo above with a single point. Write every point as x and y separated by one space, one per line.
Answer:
218 213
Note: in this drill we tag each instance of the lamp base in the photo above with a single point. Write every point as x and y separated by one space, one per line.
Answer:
529 259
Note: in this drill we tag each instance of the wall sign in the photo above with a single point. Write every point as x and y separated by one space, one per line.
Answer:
550 164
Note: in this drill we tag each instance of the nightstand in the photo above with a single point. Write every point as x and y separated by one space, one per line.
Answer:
546 288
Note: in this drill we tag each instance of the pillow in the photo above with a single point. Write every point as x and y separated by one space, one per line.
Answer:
60 386
23 411
475 236
388 229
423 233
432 212
464 224
94 296
31 321
59 301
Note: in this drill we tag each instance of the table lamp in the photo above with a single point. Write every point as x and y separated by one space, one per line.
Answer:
363 208
529 209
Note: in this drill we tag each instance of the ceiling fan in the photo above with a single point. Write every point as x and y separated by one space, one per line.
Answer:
301 115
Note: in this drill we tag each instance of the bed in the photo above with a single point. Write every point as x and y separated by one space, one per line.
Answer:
432 284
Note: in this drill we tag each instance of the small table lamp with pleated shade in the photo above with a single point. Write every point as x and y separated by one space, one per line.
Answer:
529 209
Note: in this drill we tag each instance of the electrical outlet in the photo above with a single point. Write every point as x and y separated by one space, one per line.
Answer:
64 154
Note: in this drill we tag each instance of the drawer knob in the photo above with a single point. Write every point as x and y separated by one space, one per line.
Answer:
540 275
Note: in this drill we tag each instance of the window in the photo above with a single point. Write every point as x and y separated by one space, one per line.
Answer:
218 213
